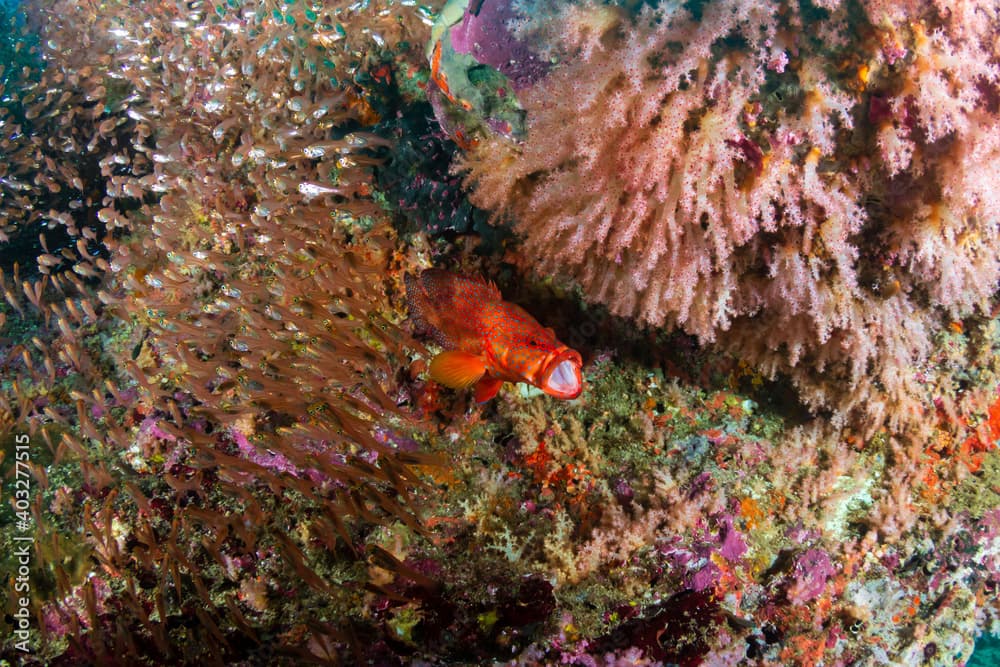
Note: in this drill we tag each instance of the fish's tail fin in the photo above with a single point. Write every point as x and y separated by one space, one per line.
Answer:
421 309
416 302
433 295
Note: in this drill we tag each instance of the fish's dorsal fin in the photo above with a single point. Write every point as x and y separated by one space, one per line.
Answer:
491 286
457 369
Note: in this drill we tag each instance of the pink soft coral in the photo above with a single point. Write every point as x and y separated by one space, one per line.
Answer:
816 194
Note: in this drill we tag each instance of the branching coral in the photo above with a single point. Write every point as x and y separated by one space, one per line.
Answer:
809 187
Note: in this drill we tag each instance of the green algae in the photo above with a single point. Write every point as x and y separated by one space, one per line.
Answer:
978 493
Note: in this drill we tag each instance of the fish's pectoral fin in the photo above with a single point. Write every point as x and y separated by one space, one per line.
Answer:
457 369
487 388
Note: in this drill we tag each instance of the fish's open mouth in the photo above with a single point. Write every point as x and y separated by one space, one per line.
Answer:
564 379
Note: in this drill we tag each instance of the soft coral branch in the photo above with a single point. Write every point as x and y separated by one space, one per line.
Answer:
821 205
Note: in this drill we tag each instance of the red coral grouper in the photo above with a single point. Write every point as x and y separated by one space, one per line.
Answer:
487 340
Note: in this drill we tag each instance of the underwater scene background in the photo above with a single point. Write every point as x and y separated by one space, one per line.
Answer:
770 230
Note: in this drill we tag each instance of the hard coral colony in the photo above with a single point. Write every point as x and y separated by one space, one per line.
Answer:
225 445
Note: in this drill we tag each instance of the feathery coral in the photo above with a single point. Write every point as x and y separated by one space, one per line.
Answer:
707 166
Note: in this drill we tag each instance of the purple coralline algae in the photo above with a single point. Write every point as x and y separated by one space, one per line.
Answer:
812 569
485 35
